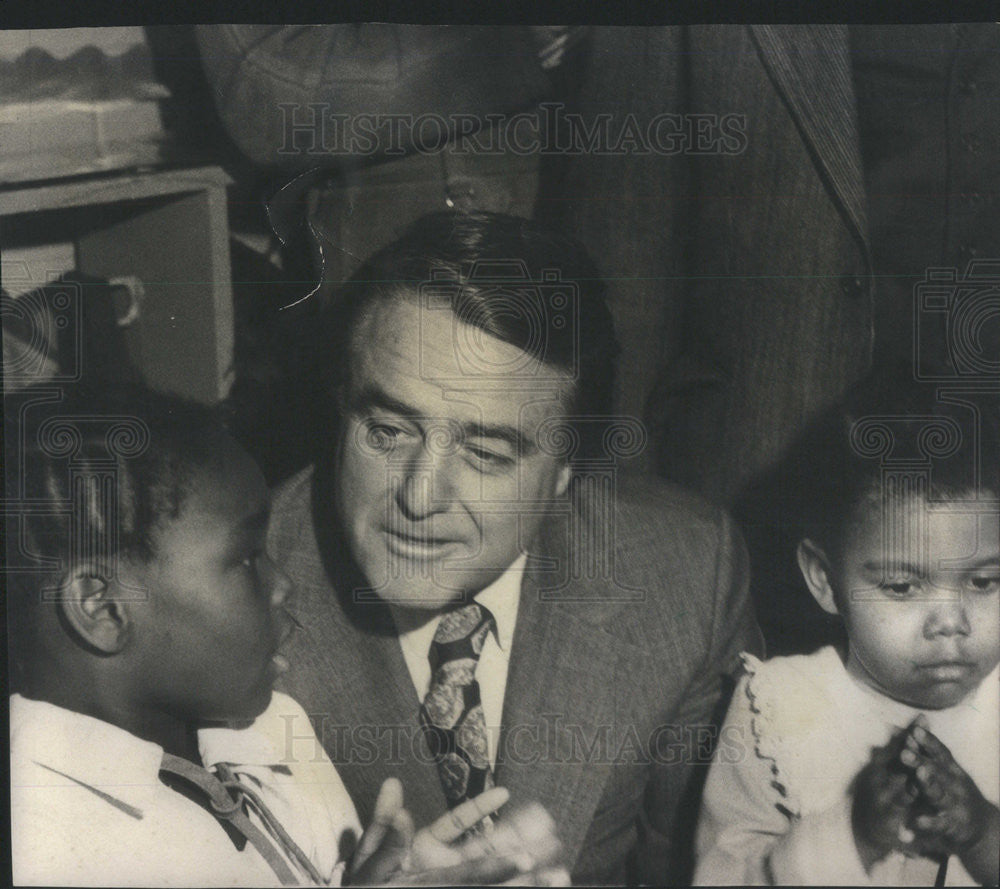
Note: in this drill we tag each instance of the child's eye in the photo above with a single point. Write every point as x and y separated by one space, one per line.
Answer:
898 588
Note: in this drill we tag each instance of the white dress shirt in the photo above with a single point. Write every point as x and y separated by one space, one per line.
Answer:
88 807
501 598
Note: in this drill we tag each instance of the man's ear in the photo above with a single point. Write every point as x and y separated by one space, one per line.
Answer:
815 568
92 606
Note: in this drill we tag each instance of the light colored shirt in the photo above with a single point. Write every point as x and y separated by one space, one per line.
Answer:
501 598
777 802
88 807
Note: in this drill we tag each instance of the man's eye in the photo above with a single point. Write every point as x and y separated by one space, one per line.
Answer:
986 583
382 436
898 588
489 459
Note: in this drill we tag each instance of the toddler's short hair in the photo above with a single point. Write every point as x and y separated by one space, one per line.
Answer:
912 436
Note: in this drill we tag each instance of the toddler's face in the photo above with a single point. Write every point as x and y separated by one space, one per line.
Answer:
919 588
209 632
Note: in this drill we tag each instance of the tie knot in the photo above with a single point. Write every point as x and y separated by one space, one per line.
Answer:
461 634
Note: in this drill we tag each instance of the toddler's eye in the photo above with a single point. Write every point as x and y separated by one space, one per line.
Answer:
898 588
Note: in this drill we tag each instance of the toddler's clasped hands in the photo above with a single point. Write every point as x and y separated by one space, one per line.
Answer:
914 798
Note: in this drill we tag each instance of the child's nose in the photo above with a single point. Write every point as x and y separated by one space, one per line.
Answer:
281 583
947 616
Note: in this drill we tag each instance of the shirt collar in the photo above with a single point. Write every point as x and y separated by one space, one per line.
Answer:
501 598
71 746
244 745
99 754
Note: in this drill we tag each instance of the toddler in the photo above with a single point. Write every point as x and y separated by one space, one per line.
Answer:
879 763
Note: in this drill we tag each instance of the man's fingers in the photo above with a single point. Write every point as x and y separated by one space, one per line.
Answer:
543 876
389 800
387 860
451 825
481 872
388 803
402 826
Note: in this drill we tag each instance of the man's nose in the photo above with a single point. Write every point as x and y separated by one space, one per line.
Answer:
425 487
947 615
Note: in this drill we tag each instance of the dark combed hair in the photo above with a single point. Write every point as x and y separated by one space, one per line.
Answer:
529 287
91 475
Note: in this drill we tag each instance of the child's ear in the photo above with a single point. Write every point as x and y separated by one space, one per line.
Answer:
91 606
815 568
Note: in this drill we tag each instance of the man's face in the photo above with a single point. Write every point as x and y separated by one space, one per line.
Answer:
441 482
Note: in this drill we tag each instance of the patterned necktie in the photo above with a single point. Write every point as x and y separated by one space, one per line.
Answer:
452 712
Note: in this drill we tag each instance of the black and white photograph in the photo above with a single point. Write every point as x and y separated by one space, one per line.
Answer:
546 451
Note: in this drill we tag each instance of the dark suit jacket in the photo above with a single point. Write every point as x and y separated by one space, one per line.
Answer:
631 617
742 282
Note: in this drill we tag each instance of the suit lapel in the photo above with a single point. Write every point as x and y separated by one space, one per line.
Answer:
811 68
561 677
380 706
349 667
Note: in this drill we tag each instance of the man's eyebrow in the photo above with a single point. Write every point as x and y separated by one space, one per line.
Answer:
509 434
908 567
372 396
892 565
988 562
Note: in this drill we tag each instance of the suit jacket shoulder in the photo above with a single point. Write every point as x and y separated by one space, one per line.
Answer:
678 569
290 511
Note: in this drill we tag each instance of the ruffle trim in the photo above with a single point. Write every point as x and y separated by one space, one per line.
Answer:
765 744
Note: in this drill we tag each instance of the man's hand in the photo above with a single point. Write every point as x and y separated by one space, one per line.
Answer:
525 837
521 850
950 816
